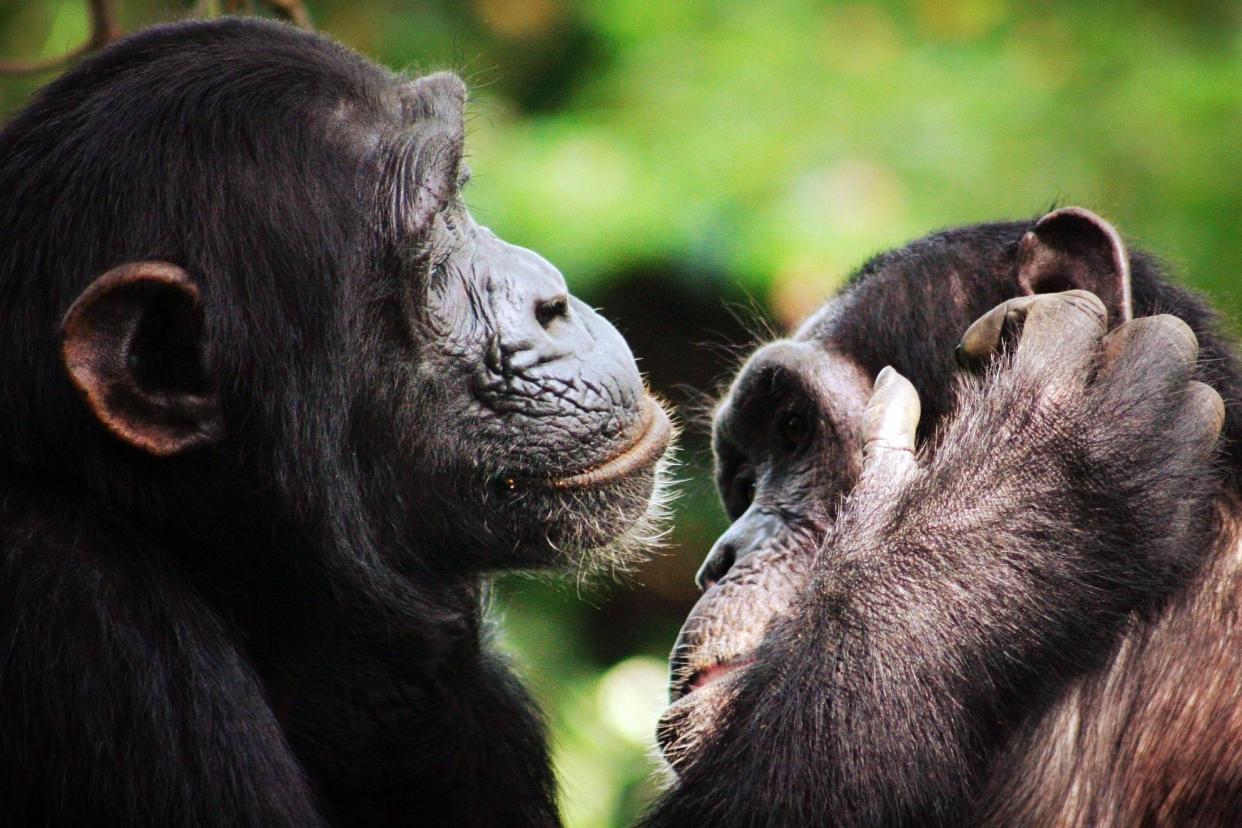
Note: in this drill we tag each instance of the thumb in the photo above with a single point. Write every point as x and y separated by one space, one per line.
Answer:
889 423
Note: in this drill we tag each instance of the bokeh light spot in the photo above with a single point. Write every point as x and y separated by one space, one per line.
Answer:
631 695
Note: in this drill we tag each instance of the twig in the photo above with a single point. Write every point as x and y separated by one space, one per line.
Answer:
291 10
104 30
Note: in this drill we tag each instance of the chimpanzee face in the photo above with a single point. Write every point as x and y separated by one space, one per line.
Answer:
554 437
787 445
533 425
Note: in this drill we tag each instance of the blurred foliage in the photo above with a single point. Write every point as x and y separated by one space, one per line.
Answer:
692 163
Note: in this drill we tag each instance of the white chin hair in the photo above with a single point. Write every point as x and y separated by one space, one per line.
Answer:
637 543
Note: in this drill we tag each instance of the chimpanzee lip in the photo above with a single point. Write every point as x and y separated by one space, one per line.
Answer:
696 697
688 677
712 673
657 431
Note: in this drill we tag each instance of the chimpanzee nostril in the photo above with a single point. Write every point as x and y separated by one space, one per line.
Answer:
719 561
548 311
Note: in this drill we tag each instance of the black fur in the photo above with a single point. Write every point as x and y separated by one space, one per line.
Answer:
284 627
1034 630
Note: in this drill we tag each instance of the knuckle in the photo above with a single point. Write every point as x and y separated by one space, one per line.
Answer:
1204 402
1176 335
983 335
1161 342
1073 308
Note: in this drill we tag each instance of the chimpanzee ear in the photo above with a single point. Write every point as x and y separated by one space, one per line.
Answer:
133 344
434 109
1074 249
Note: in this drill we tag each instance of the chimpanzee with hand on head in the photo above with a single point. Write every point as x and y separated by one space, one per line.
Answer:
1023 607
272 406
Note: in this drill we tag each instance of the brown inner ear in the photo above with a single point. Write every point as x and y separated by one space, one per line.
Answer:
133 345
1074 249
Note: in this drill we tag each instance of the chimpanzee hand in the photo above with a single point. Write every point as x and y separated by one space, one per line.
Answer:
1110 429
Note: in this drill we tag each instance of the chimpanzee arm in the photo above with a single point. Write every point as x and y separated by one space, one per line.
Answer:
123 700
957 592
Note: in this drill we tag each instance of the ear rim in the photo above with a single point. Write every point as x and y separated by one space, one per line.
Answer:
103 376
1120 303
434 111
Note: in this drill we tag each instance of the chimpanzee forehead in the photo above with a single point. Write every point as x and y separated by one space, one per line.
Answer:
817 326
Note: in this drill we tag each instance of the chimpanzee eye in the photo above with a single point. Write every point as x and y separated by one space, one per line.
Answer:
743 490
794 429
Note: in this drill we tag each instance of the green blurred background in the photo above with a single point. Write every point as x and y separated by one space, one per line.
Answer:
707 172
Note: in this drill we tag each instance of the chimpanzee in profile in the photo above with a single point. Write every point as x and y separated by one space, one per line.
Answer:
272 406
1023 607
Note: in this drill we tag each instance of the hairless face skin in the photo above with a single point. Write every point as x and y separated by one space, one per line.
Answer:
793 404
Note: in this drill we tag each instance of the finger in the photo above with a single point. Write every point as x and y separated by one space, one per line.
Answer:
984 338
890 422
1205 410
1152 342
1065 325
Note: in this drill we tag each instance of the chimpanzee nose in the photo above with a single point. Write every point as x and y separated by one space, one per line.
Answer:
549 310
540 321
753 531
717 564
539 290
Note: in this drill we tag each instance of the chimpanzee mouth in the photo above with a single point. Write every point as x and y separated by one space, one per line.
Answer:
720 642
653 440
647 448
600 521
698 698
704 676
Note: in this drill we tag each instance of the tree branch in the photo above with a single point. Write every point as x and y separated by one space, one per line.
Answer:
104 30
